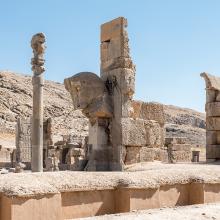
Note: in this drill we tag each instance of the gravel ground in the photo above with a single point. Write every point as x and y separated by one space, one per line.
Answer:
195 212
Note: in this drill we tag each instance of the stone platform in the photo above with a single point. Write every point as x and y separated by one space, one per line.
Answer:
68 195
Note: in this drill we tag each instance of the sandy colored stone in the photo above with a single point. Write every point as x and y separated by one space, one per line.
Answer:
213 109
175 140
213 152
211 95
133 132
150 111
112 29
181 156
213 137
88 93
37 62
212 82
155 134
132 155
213 123
139 132
147 154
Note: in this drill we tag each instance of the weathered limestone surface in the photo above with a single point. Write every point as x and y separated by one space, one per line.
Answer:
140 132
37 44
213 151
212 108
212 137
90 94
23 141
119 126
178 150
149 111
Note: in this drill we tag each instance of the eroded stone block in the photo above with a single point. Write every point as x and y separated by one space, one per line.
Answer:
132 155
139 132
212 109
149 111
213 152
133 132
213 123
181 156
113 29
212 137
211 95
154 134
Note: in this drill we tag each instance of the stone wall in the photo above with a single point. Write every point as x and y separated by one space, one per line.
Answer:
70 153
65 195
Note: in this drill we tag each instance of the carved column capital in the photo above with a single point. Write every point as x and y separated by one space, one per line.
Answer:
38 46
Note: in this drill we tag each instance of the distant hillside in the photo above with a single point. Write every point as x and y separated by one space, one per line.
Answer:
183 122
16 101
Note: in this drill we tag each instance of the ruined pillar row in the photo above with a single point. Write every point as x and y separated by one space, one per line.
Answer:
37 44
212 109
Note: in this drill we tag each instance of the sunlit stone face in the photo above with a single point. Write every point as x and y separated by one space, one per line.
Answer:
84 87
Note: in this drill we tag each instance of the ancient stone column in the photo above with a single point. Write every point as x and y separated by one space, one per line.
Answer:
37 44
212 117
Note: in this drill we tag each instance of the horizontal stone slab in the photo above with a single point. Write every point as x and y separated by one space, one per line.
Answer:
213 123
212 109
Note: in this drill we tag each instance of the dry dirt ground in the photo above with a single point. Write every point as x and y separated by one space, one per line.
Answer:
195 212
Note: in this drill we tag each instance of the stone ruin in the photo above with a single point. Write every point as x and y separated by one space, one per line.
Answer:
212 109
70 153
121 130
178 150
23 141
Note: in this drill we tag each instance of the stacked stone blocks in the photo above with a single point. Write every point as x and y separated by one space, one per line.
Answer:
212 116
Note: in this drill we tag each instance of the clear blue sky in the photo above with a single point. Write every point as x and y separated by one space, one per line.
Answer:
171 42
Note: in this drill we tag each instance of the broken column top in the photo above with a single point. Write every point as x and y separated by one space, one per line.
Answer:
113 29
89 94
212 82
38 46
114 46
